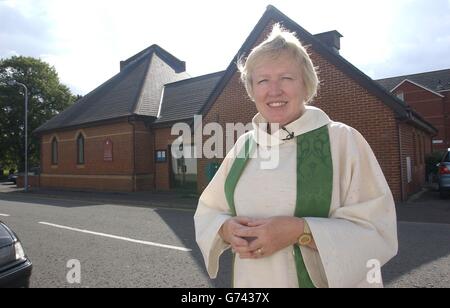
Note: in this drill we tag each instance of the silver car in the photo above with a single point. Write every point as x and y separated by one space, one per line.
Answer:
444 175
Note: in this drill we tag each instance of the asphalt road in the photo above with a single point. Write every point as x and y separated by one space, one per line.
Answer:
137 246
105 261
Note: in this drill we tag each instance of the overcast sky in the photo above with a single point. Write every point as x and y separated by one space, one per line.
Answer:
86 39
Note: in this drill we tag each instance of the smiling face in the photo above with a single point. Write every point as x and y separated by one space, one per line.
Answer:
278 88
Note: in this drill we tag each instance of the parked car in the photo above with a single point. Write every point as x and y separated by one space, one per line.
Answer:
444 175
12 178
31 171
15 267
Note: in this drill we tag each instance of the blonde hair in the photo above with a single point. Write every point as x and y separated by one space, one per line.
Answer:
280 40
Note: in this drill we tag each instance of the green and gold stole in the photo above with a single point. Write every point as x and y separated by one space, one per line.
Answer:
314 183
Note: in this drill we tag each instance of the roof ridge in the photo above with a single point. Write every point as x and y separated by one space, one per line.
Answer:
192 79
137 100
121 73
138 56
174 62
417 84
414 74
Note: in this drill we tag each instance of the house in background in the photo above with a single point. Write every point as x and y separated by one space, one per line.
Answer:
119 137
429 95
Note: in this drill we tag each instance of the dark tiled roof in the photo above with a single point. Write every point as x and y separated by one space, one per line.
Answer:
272 14
135 90
436 81
185 98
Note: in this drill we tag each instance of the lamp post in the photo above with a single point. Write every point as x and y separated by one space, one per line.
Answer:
14 83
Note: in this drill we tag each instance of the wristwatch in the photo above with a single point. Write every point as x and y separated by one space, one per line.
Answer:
306 238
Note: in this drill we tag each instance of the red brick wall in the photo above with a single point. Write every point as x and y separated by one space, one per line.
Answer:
447 117
415 145
145 164
96 173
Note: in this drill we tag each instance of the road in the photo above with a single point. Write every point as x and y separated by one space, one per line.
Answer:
424 243
137 246
106 261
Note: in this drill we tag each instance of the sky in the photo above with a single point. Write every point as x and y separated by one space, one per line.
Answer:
86 39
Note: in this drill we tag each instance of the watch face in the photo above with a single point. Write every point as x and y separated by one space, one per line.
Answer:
304 239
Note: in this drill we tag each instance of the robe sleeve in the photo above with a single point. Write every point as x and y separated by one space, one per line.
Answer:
363 227
212 211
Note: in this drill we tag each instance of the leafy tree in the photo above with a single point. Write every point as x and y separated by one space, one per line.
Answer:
46 98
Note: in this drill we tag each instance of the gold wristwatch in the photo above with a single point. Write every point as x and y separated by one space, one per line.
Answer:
306 238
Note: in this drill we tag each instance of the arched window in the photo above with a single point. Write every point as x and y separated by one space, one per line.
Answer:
108 150
54 151
80 149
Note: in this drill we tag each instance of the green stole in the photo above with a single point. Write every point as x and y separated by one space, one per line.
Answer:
314 183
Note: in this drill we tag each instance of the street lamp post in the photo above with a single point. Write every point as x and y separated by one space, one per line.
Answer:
13 83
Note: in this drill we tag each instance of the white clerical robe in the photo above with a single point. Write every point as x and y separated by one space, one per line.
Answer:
359 235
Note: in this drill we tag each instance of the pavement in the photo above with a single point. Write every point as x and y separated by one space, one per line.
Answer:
425 206
175 200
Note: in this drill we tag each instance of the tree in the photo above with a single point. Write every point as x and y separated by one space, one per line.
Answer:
46 98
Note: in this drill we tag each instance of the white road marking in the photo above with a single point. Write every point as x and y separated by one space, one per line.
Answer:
117 237
4 215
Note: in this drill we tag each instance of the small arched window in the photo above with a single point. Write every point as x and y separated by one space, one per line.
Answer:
108 150
54 151
80 149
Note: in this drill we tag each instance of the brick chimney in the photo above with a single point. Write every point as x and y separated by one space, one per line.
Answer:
332 39
122 64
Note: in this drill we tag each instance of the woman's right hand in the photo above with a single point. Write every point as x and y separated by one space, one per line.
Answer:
229 229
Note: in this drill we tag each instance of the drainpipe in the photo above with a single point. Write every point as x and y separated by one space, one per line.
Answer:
132 123
153 155
401 161
41 159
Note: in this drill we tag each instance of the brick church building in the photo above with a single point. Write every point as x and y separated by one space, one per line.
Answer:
118 137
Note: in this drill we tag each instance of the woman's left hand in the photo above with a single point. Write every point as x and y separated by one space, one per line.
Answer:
272 234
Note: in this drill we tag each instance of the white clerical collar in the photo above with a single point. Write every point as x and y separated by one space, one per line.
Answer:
311 119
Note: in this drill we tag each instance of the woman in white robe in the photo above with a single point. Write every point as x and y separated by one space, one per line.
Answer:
345 249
